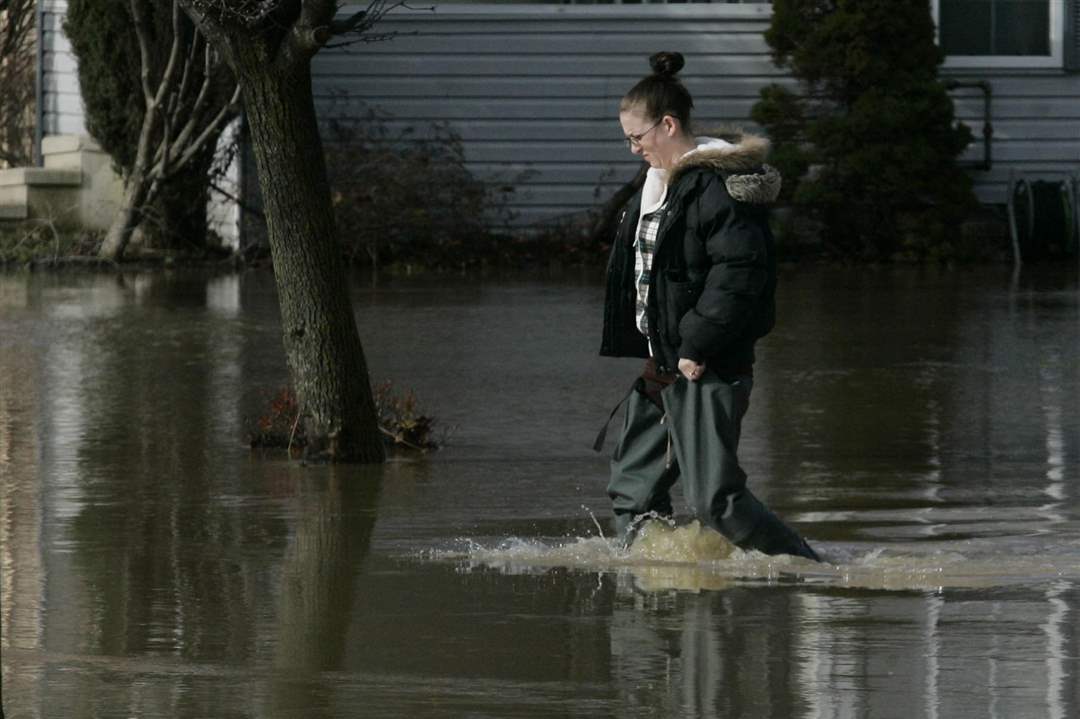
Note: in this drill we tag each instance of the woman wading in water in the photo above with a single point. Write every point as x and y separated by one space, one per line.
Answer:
690 287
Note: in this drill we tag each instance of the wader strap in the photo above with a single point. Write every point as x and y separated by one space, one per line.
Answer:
639 385
667 454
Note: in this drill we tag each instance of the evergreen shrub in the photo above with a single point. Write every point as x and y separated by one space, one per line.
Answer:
868 142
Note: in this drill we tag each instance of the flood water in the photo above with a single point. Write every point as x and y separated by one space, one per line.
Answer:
919 426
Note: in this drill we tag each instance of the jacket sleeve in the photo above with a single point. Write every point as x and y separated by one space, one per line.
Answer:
736 246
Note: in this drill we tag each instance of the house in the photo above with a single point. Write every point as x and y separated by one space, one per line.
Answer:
533 88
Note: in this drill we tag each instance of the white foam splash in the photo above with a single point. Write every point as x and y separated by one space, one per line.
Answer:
695 558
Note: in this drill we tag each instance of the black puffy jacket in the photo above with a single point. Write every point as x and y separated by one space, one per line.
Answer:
713 276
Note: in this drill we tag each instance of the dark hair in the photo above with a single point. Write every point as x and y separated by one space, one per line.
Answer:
661 93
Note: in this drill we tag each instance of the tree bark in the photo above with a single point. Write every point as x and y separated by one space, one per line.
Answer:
126 219
322 345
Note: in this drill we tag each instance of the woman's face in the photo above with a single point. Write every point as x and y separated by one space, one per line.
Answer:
651 139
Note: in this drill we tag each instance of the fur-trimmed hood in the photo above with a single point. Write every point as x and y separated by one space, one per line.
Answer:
740 157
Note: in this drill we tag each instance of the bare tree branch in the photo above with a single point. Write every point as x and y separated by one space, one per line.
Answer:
234 13
318 26
231 197
362 21
167 80
212 129
208 27
142 31
17 64
16 25
307 35
166 131
189 65
194 120
365 38
174 129
356 20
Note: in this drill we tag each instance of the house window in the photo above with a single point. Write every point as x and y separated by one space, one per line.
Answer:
1000 33
603 2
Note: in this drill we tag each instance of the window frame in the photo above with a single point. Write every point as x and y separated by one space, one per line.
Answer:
1055 60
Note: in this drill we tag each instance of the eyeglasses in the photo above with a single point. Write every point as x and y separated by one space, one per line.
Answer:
633 141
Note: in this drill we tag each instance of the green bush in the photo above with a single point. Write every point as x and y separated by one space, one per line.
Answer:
403 197
869 143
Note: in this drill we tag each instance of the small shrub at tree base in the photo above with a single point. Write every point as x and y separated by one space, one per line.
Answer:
281 425
399 417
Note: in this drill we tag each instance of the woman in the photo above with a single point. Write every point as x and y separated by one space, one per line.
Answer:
691 284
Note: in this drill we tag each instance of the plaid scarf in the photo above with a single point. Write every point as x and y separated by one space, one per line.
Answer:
646 246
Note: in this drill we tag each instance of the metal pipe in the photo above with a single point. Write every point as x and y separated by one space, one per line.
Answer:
1014 228
1 645
988 128
39 91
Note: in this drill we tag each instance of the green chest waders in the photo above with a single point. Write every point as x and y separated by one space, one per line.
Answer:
694 437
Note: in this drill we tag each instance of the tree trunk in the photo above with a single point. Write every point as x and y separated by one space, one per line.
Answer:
126 219
322 345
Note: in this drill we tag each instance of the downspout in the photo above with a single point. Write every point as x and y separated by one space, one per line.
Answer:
988 129
39 84
1 648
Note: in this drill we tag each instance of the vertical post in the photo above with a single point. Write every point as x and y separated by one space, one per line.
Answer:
39 95
1010 204
1 640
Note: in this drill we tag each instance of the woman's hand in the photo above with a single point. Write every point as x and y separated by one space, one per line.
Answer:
691 370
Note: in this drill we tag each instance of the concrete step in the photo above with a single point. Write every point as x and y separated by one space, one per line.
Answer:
77 184
57 198
14 212
40 177
72 152
59 144
14 195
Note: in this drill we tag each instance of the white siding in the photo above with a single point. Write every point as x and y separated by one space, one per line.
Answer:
62 108
536 88
1036 121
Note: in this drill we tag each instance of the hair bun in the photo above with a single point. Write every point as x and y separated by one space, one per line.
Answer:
667 63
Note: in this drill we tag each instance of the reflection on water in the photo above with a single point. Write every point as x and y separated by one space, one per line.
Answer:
919 427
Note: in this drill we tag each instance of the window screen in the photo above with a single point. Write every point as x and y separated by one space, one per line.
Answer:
601 2
995 27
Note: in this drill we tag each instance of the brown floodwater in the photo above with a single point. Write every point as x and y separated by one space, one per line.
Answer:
919 426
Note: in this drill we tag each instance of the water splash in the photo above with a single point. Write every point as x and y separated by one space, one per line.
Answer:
660 540
693 558
599 529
